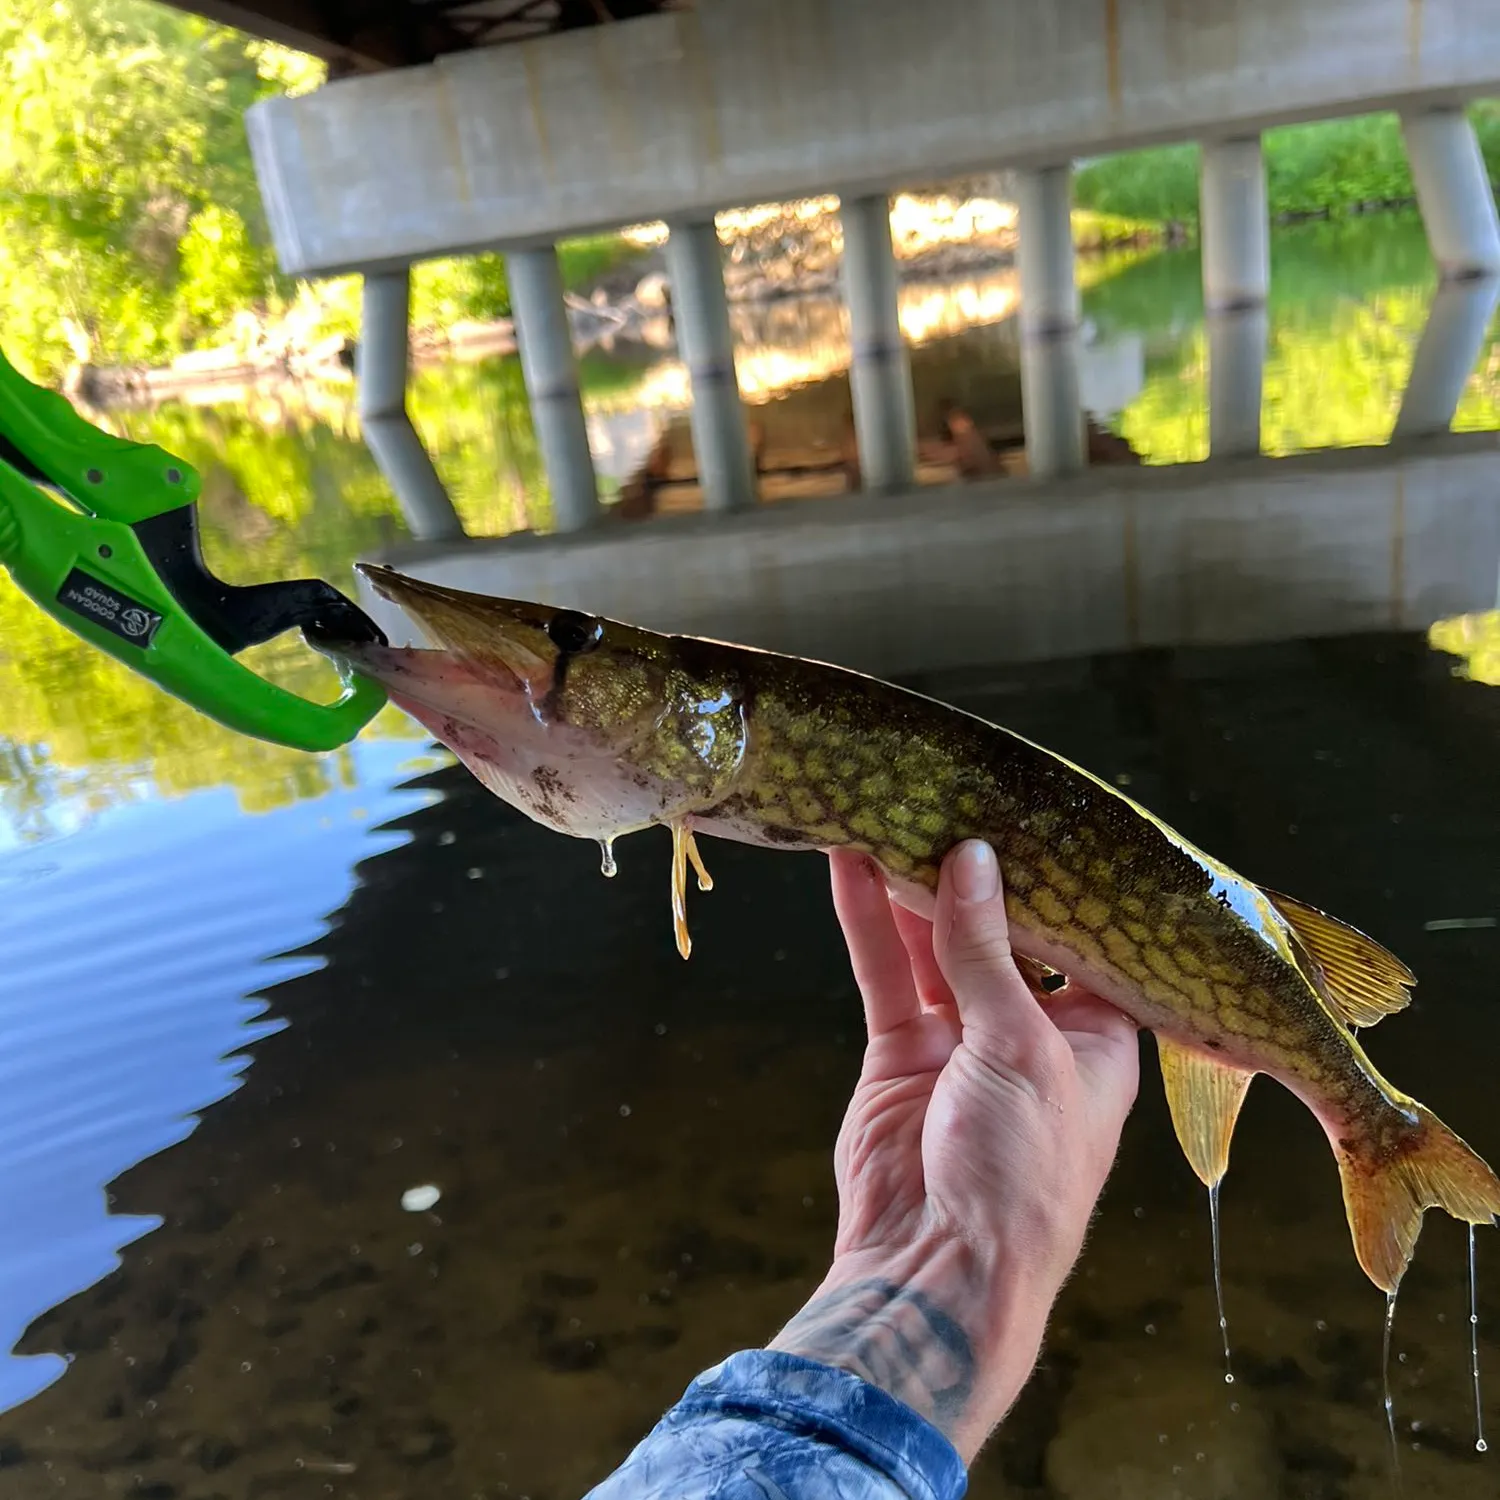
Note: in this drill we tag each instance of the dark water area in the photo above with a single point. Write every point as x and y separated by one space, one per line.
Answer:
633 1153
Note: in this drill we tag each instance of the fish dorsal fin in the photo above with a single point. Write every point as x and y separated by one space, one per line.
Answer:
1363 981
1204 1096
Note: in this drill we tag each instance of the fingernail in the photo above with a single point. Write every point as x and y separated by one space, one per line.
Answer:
976 872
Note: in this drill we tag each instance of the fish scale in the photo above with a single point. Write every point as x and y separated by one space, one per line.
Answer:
1066 871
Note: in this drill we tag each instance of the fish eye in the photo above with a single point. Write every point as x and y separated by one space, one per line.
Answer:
574 633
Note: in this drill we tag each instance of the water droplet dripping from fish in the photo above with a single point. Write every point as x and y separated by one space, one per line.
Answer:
607 866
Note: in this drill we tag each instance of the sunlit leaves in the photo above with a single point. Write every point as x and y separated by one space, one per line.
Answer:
124 127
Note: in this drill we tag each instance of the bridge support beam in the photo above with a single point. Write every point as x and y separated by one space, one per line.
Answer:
880 373
700 310
1050 403
1453 190
1236 281
551 372
381 364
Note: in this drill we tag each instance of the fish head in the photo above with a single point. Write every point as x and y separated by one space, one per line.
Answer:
587 725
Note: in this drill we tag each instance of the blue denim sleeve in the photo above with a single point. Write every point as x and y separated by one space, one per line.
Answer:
770 1426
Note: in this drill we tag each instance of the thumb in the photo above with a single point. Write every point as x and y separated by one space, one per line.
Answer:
971 941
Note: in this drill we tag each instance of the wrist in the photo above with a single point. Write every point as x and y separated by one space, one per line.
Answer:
950 1328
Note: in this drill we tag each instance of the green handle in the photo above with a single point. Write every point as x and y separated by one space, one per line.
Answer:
73 550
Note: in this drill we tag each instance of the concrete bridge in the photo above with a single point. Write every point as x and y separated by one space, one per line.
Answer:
677 114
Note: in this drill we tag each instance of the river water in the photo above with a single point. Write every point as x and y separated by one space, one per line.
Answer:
252 1000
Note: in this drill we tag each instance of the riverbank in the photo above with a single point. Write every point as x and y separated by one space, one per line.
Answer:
772 252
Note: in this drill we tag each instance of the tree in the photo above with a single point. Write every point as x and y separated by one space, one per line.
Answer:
130 220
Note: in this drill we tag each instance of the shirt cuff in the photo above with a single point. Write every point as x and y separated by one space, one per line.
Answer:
835 1407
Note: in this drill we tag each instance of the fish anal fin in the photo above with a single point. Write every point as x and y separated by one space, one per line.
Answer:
1362 980
1388 1186
1204 1096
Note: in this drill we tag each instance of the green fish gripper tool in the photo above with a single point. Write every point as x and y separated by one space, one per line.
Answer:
103 534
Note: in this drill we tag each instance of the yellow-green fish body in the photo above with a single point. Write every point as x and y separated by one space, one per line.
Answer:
597 729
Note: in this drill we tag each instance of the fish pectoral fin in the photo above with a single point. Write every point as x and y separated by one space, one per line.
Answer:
682 838
1363 982
1204 1096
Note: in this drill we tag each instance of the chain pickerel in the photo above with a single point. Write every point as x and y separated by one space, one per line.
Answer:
597 729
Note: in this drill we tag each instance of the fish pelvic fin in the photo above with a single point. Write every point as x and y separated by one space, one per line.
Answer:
1204 1096
1361 980
1389 1184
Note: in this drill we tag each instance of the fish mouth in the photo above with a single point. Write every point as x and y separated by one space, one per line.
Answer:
506 637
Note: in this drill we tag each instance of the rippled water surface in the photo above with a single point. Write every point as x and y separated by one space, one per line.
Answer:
251 1000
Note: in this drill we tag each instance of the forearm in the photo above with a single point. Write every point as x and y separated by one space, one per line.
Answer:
951 1330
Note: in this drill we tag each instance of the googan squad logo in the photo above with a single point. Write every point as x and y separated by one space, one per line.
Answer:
117 612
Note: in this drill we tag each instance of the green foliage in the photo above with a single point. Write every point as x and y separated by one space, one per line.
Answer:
125 178
131 226
444 292
586 259
449 291
1160 184
220 269
1331 166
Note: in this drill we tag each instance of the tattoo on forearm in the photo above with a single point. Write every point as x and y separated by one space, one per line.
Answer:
896 1338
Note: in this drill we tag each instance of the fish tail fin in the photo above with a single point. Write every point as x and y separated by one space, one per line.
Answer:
1391 1180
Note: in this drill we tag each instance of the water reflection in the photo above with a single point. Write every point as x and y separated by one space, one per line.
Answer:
1236 374
1450 347
114 1042
1475 640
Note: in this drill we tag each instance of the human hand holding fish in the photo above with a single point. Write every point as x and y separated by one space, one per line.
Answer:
975 1147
